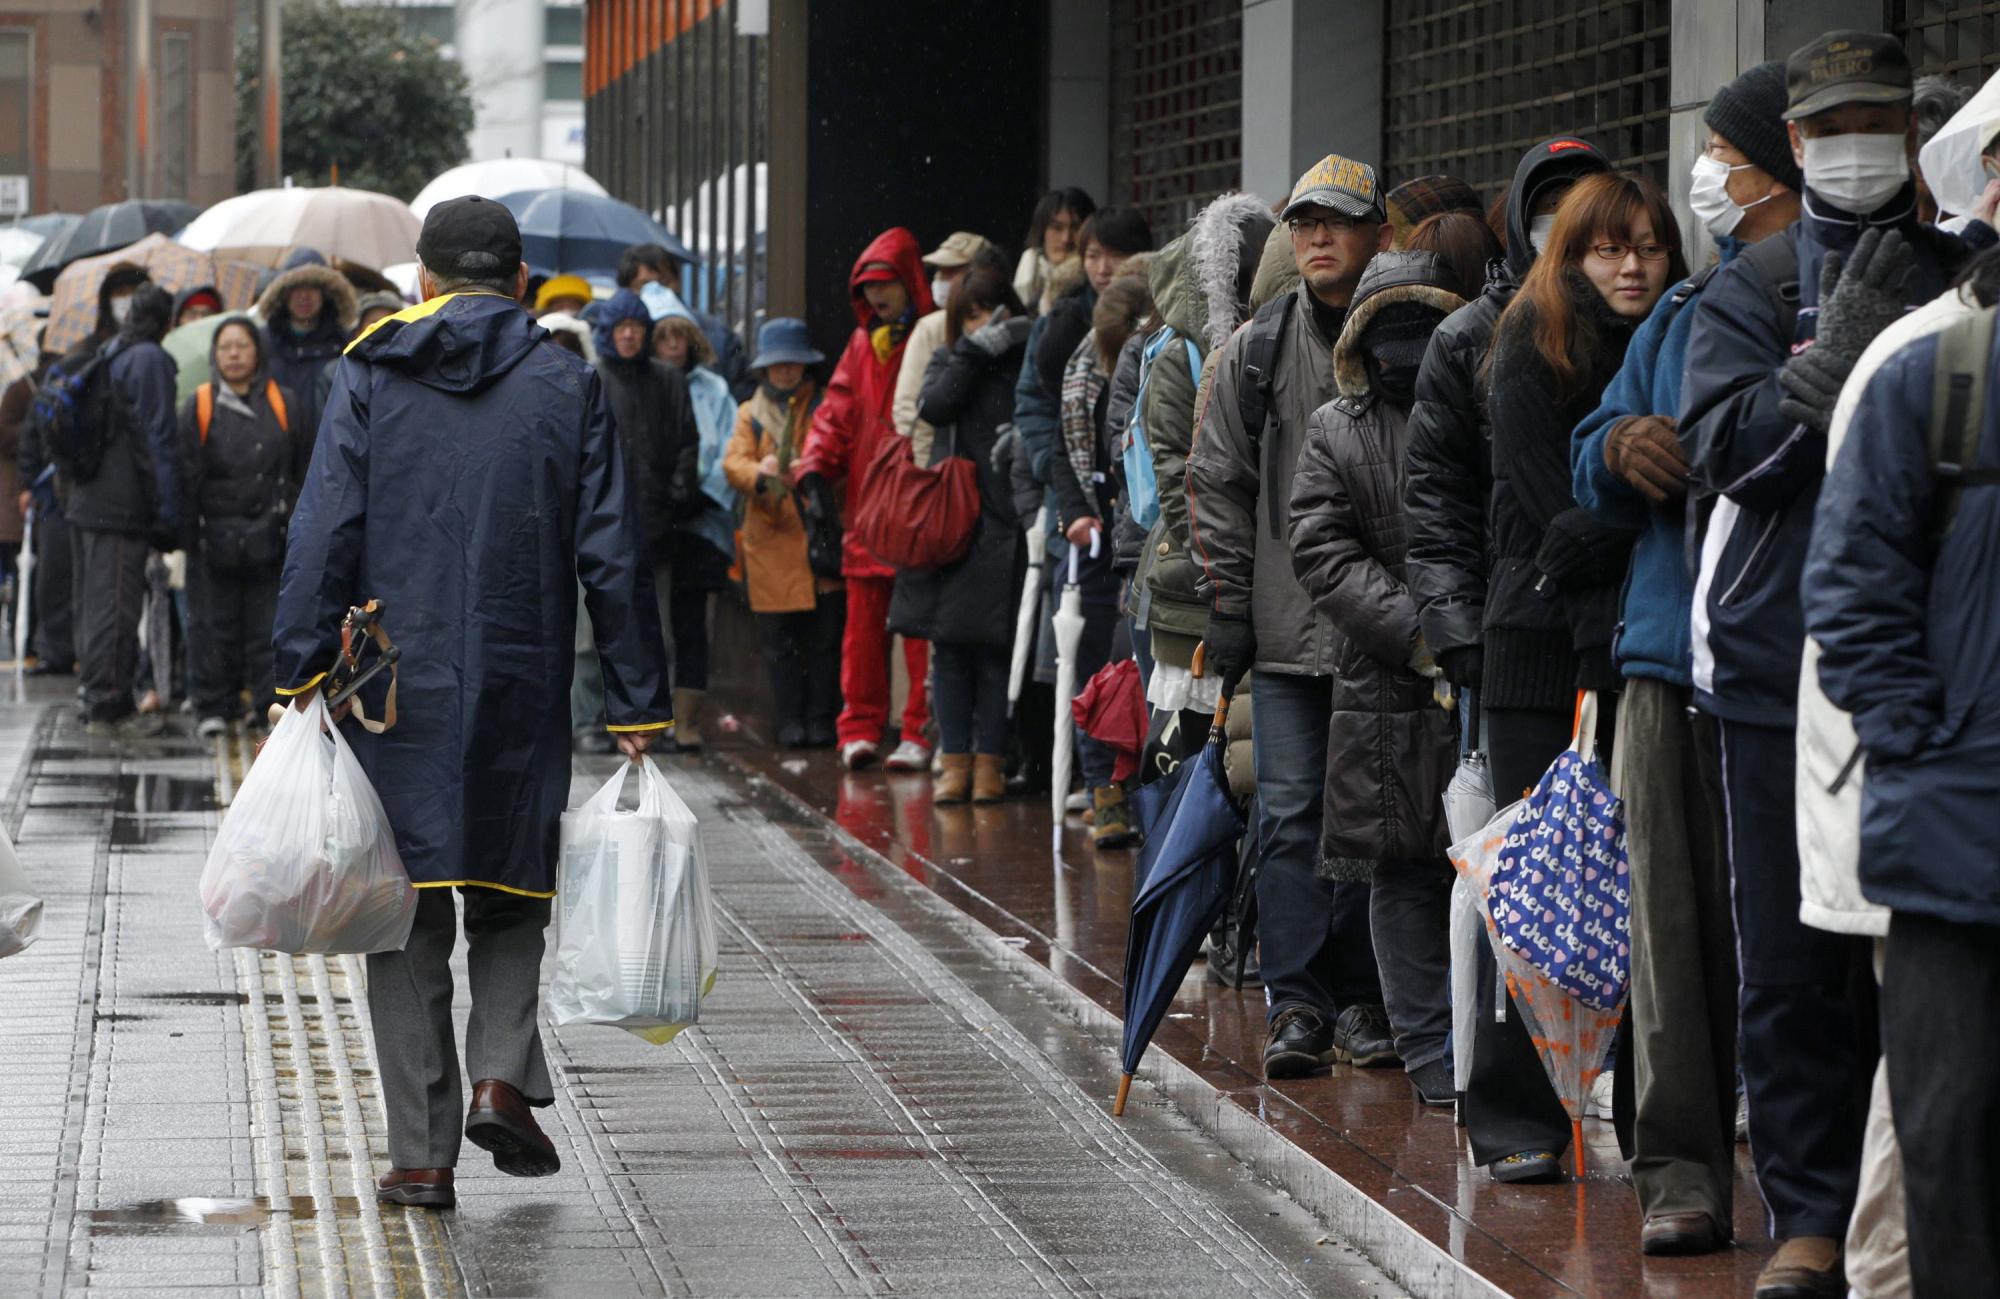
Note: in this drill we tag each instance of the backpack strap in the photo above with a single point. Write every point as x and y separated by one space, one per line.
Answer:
276 396
1777 261
204 410
1958 409
1253 399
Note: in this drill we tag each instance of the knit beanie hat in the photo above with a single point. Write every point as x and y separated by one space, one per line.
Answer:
1749 112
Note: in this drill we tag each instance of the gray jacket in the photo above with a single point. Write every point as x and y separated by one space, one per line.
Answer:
1239 490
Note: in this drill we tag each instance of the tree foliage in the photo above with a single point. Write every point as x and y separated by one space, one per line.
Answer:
360 94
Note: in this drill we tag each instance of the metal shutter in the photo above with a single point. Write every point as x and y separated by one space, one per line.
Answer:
1177 98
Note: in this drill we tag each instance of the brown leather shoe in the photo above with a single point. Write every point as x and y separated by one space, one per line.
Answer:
989 778
420 1188
954 782
1805 1267
501 1124
1681 1233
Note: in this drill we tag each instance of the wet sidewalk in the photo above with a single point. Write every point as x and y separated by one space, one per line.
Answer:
877 1101
1353 1145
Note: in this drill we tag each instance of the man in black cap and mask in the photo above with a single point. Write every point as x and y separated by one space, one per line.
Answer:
467 474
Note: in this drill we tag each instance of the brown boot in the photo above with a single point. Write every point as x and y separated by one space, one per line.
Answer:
1113 826
954 783
687 726
989 778
1805 1267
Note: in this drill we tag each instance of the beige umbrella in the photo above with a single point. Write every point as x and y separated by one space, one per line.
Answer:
351 225
73 306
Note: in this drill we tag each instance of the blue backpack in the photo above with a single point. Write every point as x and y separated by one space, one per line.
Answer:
1142 489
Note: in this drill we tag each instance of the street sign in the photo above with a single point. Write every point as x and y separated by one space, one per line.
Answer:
13 196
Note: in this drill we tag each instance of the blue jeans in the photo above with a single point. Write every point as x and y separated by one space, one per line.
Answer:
1313 932
969 697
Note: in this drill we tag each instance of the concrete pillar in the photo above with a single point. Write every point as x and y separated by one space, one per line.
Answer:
1079 104
139 98
785 229
499 44
1294 111
1712 41
271 86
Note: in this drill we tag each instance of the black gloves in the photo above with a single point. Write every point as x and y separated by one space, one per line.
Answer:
1230 647
1464 666
1579 551
1813 379
1865 296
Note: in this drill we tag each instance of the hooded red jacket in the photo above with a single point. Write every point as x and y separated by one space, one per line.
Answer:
854 416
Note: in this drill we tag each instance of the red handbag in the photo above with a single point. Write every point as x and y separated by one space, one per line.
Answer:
916 518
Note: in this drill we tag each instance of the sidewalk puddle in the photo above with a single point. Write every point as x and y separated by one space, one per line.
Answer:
202 1211
197 998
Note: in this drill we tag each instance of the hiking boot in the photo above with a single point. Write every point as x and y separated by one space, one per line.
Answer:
910 755
1433 1083
1361 1037
1805 1267
989 778
687 720
857 754
954 784
1299 1044
1112 827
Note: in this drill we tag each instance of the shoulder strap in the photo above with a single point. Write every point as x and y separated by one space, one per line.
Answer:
1694 284
1260 362
1777 260
277 399
204 409
1958 408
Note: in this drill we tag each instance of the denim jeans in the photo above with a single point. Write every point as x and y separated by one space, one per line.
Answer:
1313 936
1409 912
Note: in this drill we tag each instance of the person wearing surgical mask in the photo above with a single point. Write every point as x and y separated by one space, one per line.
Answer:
1775 335
947 264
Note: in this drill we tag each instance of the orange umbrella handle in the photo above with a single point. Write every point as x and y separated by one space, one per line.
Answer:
1576 1140
1124 1090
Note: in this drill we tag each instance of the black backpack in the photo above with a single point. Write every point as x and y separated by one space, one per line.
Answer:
79 411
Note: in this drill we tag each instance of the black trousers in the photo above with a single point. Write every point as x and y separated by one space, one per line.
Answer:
1941 1027
229 649
110 585
802 651
687 625
52 601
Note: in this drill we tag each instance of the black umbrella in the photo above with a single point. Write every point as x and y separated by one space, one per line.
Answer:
105 229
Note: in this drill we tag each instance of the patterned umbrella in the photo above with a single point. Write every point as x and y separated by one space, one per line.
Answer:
19 350
73 307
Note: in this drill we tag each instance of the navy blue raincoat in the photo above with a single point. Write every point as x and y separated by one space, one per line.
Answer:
468 475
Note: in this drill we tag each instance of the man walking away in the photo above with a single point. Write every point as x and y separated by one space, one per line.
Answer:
469 477
1772 342
1325 1000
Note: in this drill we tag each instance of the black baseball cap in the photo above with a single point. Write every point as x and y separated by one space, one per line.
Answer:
470 236
1846 68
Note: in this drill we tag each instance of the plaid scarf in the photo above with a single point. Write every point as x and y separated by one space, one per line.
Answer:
1083 382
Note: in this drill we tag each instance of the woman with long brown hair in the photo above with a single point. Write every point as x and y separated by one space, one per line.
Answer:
1553 598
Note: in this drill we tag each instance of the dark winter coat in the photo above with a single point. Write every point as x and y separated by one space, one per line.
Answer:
1052 340
467 475
968 396
136 490
1766 468
1451 465
656 428
243 479
1552 599
1909 634
299 355
1395 748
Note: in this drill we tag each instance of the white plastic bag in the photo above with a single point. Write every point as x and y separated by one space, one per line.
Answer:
20 909
305 860
637 943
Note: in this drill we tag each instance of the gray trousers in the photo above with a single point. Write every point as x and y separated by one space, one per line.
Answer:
1409 916
110 585
1667 770
409 998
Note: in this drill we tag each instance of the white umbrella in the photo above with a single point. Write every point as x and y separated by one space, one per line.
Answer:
18 244
1026 622
24 571
502 176
357 226
1069 634
1951 160
1468 805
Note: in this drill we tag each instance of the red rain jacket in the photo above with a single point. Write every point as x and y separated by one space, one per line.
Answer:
854 416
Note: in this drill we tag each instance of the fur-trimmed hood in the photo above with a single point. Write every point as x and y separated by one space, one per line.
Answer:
1201 280
1390 278
1122 309
341 300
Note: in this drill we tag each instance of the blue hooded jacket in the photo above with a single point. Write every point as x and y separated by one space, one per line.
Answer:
467 475
1653 637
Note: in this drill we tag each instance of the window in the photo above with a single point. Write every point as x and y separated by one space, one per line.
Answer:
17 88
1959 39
563 26
563 80
175 145
431 23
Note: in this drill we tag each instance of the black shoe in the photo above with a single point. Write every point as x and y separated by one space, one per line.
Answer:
1433 1083
1528 1166
50 670
1222 966
821 735
1299 1044
791 735
1361 1037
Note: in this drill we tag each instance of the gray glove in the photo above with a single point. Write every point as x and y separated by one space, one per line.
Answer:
1813 379
1863 297
999 335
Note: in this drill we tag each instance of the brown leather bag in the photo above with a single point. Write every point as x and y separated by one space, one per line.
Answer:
916 518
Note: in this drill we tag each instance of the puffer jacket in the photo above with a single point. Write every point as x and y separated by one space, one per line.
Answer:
1451 464
243 478
656 428
1201 285
1384 800
300 355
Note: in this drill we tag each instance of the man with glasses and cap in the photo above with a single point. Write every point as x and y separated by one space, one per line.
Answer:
1325 998
468 476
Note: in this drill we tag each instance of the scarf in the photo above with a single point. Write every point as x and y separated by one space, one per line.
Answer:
1084 381
887 338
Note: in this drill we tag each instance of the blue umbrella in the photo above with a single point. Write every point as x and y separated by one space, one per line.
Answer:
569 231
1185 871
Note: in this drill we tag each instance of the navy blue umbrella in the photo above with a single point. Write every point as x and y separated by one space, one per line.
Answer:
1192 824
566 231
102 230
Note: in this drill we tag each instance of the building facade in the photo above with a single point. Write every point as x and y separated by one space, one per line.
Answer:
527 90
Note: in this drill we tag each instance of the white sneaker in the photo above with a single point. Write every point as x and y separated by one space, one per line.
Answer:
856 754
1077 802
211 727
910 755
1600 1096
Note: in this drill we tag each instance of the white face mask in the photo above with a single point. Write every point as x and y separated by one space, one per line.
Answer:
940 292
1538 231
121 309
1857 173
1708 196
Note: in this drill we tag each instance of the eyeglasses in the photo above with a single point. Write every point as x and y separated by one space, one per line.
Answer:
1619 252
1309 225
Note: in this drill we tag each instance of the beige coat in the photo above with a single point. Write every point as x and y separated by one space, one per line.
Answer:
771 544
925 339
